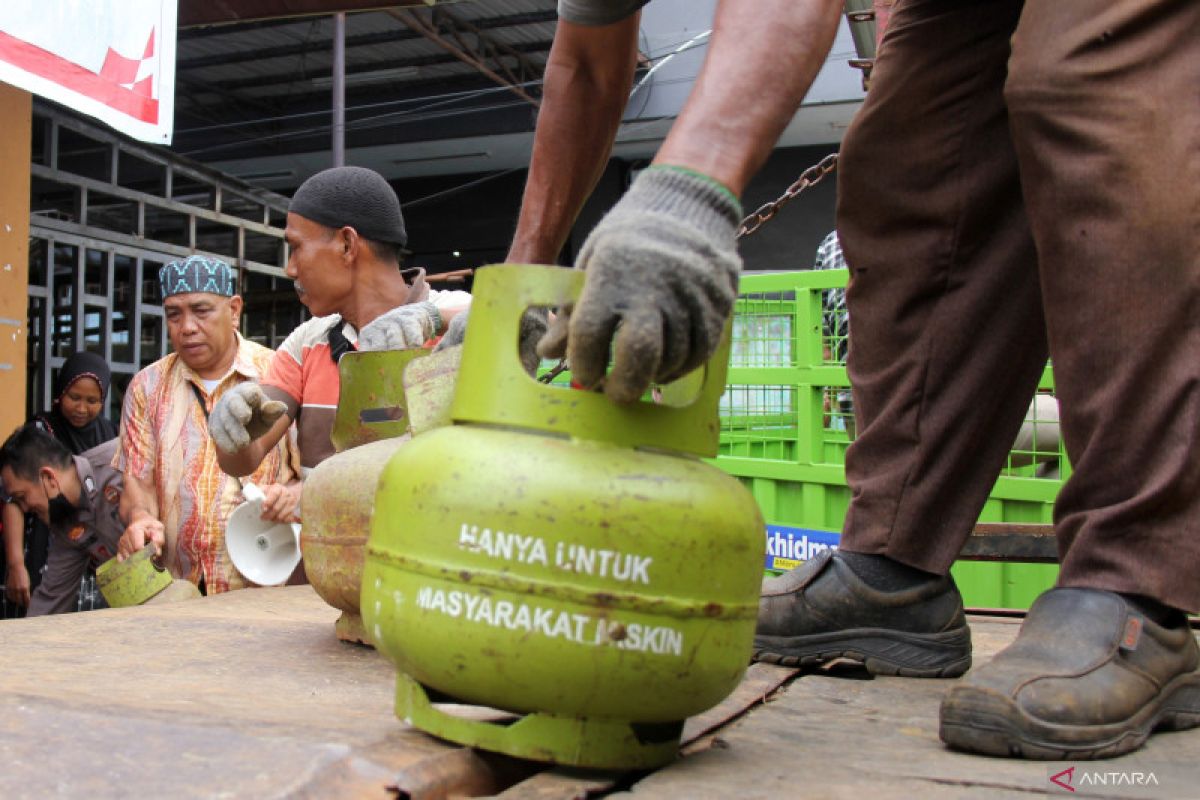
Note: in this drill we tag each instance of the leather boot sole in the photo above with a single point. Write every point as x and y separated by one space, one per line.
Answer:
984 721
881 651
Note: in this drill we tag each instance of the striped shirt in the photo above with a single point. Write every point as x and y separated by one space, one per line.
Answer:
164 440
836 319
304 376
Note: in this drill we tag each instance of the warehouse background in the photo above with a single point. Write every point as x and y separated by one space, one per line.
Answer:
441 99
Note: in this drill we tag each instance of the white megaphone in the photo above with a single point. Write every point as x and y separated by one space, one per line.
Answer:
265 552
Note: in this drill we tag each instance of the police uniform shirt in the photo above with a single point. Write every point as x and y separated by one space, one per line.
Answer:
91 536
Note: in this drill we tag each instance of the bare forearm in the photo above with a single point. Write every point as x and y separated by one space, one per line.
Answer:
588 77
138 501
246 460
746 95
14 534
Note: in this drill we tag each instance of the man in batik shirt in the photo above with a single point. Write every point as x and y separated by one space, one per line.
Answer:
175 492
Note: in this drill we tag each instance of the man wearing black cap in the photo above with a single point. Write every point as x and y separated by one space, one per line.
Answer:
345 233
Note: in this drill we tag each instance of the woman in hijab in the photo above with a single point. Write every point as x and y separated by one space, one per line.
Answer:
75 419
79 392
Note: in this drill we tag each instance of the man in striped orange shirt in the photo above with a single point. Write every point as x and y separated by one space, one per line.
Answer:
345 234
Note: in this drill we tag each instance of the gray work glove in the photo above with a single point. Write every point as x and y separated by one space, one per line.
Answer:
662 271
243 414
402 328
533 327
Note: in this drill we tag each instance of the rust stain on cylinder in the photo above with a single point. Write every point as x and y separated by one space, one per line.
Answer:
338 499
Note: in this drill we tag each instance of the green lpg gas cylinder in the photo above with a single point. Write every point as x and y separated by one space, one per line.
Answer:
562 557
133 581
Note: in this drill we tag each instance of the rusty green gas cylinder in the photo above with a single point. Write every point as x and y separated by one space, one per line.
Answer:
339 493
133 581
560 556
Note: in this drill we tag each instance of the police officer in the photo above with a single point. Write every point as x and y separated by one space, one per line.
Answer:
76 496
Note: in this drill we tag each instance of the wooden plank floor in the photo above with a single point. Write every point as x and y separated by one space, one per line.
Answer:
247 694
861 738
250 695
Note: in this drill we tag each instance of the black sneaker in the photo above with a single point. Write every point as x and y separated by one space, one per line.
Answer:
823 611
1087 677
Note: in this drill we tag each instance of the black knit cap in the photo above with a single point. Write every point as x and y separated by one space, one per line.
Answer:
353 196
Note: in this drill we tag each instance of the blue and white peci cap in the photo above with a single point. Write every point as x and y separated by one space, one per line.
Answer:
197 274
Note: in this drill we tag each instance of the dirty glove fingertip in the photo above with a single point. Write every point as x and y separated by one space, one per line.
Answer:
553 343
272 410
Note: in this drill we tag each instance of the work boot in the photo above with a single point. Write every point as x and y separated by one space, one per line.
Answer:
823 611
1088 676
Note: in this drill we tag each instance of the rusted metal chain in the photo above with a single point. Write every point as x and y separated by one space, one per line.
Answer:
810 177
555 371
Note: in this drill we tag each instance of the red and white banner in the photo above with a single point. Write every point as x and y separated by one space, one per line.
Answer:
110 59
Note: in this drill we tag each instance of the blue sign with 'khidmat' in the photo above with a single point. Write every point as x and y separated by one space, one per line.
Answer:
788 547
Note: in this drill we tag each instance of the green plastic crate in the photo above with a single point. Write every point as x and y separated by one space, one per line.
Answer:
786 422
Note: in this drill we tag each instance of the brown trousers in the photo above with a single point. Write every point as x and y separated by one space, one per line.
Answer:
1024 180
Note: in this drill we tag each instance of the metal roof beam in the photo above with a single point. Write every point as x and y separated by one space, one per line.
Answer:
502 115
397 63
493 50
208 31
485 54
361 40
299 48
223 12
194 84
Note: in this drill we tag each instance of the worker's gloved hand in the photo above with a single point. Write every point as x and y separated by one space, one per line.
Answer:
533 327
243 414
662 270
455 332
402 328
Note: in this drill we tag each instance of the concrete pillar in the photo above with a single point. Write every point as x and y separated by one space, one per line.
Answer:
16 107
